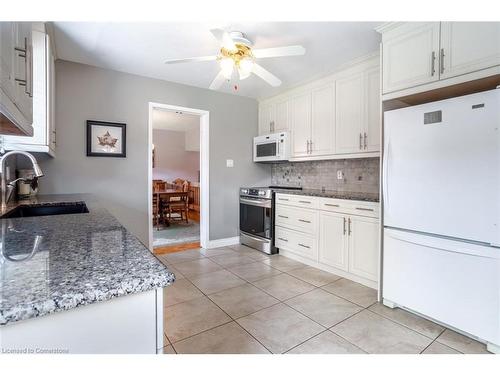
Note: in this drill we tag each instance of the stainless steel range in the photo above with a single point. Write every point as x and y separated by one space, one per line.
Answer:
257 218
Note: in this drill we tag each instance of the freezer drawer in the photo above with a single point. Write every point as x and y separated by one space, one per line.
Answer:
453 282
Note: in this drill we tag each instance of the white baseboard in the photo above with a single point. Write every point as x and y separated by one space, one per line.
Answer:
223 242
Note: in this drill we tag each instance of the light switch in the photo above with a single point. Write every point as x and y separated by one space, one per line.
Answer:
229 163
340 175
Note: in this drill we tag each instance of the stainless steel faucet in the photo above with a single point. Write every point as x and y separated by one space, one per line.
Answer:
8 188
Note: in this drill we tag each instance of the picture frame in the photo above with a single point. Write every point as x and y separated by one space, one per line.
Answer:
106 139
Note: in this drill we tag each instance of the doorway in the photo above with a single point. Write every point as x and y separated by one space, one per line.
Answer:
178 178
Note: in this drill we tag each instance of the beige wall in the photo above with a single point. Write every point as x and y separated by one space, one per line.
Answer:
171 158
88 93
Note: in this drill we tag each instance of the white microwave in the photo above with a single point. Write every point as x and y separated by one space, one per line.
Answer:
271 147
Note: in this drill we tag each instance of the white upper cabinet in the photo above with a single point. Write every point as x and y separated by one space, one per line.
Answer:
371 134
273 117
44 133
334 117
300 120
468 46
410 55
16 77
266 116
7 59
422 56
281 118
323 120
349 94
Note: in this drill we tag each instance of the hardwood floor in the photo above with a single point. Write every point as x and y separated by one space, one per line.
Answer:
194 215
176 248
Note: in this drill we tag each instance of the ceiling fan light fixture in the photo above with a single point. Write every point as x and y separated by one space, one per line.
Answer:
245 67
227 65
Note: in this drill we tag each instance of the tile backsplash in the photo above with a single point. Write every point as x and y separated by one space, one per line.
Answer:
359 175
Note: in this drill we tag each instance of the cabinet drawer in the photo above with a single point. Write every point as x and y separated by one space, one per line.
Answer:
295 242
297 200
300 219
351 207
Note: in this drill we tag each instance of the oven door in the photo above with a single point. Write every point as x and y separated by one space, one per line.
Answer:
256 217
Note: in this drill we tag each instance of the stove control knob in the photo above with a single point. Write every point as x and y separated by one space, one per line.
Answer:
244 191
262 192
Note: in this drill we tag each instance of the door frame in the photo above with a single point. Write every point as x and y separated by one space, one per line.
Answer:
204 168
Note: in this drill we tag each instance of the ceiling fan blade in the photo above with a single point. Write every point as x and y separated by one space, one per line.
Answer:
279 51
266 75
192 59
217 82
224 38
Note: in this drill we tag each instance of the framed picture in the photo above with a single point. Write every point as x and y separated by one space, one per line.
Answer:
106 139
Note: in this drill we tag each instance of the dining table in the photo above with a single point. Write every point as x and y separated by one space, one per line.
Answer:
168 194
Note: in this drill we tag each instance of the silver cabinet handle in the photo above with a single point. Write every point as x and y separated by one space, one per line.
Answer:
305 202
310 147
25 53
282 239
441 61
284 217
344 226
364 209
331 205
360 141
349 226
307 247
271 126
433 63
305 221
283 199
365 140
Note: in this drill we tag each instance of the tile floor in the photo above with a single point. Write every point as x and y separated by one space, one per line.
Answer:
237 300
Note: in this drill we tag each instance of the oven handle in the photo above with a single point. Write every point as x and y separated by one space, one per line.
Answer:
254 202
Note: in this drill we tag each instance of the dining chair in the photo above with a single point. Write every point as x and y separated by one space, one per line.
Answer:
178 205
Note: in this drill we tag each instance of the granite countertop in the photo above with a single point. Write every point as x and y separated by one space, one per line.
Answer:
367 197
57 263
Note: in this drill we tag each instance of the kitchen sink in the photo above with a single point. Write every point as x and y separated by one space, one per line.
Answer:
50 209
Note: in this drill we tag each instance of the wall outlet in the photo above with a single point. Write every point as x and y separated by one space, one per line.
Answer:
229 163
340 175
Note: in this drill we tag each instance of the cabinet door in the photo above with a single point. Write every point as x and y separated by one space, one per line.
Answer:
410 55
23 69
323 120
371 141
51 94
266 118
363 246
7 56
39 99
468 46
300 119
333 240
349 104
281 116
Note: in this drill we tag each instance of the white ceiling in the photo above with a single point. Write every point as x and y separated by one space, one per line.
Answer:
175 121
142 48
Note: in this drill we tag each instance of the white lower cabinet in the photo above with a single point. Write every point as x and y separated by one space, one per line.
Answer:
363 246
340 236
333 245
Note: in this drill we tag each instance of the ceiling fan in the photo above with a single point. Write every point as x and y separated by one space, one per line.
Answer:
236 52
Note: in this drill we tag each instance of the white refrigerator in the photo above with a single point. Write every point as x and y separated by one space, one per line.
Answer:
441 193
